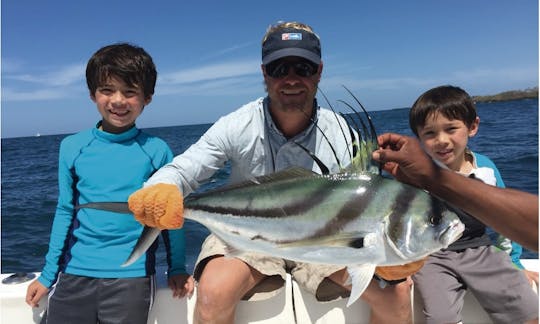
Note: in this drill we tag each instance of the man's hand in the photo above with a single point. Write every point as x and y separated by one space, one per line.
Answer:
160 205
399 272
181 285
403 157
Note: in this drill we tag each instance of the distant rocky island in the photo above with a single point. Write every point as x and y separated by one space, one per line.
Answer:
531 93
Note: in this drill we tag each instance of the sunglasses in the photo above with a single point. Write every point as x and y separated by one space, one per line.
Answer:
280 69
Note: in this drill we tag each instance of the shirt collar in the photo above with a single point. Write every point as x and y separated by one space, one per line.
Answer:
117 138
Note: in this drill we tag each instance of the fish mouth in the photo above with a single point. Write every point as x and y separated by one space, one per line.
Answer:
452 232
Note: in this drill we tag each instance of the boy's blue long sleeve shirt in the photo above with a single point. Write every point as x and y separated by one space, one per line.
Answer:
95 166
514 249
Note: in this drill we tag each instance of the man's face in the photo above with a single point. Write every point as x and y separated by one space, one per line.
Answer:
292 82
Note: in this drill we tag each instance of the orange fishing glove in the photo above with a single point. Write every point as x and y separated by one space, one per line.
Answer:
160 205
400 271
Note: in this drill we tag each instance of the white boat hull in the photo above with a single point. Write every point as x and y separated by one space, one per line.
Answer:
278 309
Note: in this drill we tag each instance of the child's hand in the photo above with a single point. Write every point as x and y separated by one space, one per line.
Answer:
160 205
399 272
35 291
181 285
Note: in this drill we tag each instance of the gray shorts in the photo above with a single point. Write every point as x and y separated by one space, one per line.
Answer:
500 288
85 300
311 277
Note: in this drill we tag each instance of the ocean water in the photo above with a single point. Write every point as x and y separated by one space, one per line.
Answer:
508 135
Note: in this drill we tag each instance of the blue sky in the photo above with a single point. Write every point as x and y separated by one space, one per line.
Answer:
208 53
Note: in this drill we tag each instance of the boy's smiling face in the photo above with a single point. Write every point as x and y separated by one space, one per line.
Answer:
119 104
445 140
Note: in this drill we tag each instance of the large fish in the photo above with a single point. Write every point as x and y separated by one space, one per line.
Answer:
356 218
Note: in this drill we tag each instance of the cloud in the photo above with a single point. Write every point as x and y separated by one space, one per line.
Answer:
211 72
216 79
19 85
378 84
67 75
505 77
228 50
217 87
244 77
507 74
11 65
238 77
9 94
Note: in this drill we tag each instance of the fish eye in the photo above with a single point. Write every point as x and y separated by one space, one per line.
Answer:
434 219
436 213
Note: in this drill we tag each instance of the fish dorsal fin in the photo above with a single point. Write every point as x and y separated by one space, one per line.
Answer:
359 276
366 142
363 137
322 166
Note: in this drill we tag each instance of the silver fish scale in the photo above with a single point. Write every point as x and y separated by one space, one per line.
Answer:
277 199
302 209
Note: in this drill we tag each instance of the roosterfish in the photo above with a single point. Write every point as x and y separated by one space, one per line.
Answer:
358 218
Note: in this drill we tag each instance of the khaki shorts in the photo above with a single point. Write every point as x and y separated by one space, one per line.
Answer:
311 277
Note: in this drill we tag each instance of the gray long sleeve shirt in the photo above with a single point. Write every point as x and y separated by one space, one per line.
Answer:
254 146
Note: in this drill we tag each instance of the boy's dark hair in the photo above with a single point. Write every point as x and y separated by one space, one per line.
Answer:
450 101
129 63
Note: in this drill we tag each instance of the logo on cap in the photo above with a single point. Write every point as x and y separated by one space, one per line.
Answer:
291 36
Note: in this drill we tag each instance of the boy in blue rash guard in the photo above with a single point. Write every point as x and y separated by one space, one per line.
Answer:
444 118
107 163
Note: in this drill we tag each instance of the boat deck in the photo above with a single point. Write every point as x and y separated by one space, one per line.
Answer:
291 305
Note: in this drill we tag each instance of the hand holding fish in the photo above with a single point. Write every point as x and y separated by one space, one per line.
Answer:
160 205
399 272
395 154
512 213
